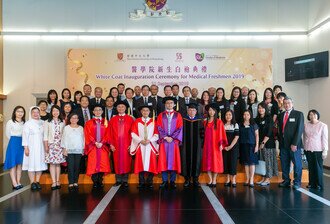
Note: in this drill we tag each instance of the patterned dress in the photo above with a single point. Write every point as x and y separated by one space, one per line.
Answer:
55 155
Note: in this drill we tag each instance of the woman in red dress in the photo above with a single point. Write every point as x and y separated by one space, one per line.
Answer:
214 141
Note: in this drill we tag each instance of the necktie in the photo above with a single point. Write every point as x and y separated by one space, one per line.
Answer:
169 121
187 100
286 116
145 130
98 101
98 130
145 101
85 115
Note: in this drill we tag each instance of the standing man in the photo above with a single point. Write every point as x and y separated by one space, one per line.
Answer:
169 124
87 89
98 97
145 147
212 92
194 95
146 100
130 102
96 148
191 149
245 93
160 104
185 101
110 110
137 92
291 126
121 89
154 94
119 130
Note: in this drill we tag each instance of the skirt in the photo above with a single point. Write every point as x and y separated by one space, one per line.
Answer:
15 152
247 155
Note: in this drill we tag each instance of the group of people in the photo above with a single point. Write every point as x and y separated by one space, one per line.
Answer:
169 135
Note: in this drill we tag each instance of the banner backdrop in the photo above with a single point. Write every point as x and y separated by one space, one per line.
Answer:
200 68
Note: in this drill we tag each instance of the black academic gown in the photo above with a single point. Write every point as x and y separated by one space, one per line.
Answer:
191 148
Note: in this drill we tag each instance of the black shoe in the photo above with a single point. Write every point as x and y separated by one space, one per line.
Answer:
20 186
196 183
16 188
309 186
38 186
71 188
117 183
95 185
295 187
209 185
251 185
140 186
58 186
284 184
164 184
172 185
150 186
34 187
53 188
233 185
186 183
100 184
227 184
246 184
125 184
214 185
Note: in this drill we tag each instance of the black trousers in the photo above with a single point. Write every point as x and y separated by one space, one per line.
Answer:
149 176
97 178
83 164
73 161
122 178
315 168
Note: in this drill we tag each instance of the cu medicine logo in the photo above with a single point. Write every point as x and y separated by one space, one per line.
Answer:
199 57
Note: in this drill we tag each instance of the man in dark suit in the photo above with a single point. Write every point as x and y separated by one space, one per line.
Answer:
160 104
131 102
291 126
194 95
185 101
145 100
110 110
180 106
84 112
154 94
97 100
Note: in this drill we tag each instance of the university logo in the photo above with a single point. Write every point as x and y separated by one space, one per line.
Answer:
155 9
199 57
120 56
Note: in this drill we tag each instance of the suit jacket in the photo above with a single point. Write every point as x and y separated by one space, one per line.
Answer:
114 112
134 110
158 102
92 102
198 100
140 102
183 106
293 129
80 113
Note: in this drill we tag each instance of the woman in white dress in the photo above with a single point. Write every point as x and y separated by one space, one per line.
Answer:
34 152
15 150
53 129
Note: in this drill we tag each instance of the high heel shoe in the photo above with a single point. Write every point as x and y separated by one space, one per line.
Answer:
227 184
58 185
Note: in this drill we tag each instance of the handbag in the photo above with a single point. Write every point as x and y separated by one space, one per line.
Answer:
261 168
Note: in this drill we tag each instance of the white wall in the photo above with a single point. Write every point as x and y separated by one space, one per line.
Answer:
319 89
35 66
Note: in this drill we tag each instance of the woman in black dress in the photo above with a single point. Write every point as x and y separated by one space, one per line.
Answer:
52 99
66 98
230 152
237 104
205 100
42 104
222 102
76 99
252 102
266 143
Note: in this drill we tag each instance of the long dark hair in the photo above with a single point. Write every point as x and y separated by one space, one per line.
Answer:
202 100
215 118
51 113
118 97
62 94
232 93
224 94
63 112
251 121
48 96
13 116
75 94
248 98
233 120
271 90
263 105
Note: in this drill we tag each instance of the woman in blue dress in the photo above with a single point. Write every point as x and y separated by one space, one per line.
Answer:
15 150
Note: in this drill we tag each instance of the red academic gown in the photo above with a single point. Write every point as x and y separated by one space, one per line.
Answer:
97 159
145 156
212 156
169 153
120 137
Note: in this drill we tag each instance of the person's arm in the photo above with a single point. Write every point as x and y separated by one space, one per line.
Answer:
256 132
324 140
298 132
46 130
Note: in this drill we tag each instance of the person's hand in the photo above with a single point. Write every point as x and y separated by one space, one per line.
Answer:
147 142
27 151
143 142
169 139
65 152
112 148
293 148
256 149
261 146
220 147
228 148
324 155
98 145
47 149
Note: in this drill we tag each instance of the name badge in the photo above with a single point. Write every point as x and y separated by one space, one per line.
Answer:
149 104
247 126
263 122
221 107
133 108
235 102
292 120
